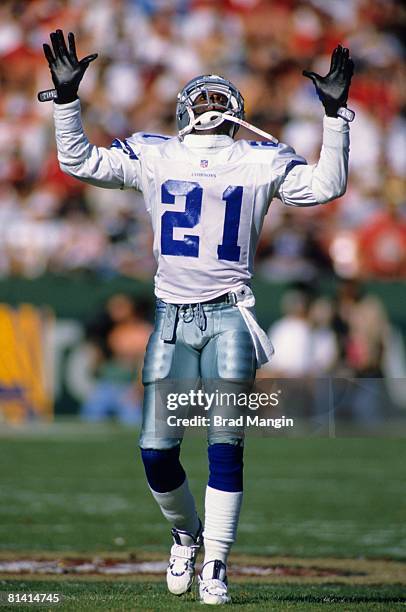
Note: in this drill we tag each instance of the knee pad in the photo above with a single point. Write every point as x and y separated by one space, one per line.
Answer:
226 467
163 469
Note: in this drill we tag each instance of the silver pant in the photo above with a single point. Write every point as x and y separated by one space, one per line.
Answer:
221 349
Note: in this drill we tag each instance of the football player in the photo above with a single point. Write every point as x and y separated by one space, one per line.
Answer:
207 195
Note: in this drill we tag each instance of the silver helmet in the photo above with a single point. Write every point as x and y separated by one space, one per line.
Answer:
191 115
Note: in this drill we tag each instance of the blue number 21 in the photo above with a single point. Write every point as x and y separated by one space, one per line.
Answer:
189 245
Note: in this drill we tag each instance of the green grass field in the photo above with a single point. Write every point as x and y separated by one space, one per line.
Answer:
75 490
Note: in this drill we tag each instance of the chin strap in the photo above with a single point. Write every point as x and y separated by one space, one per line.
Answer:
212 119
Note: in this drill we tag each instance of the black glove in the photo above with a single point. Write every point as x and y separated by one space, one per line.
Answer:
333 88
66 70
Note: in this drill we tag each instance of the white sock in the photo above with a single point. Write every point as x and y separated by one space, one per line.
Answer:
222 510
178 507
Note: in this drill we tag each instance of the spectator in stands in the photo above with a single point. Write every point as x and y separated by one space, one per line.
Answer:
119 337
365 341
292 330
324 341
382 241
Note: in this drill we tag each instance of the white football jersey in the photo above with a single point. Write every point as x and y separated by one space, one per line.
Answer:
207 195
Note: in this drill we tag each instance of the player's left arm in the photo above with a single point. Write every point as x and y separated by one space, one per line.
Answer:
306 185
118 167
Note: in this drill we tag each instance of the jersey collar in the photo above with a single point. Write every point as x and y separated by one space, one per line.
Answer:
207 141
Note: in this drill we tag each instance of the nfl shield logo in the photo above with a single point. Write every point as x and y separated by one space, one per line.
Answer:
204 163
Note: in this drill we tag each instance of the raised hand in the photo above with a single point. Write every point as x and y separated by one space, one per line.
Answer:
333 88
66 70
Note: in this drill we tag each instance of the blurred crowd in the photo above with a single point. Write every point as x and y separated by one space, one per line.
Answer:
117 337
148 49
348 337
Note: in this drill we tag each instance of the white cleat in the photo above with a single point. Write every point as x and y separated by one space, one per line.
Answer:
213 584
181 569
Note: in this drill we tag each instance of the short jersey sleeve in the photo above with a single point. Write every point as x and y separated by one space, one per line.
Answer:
126 153
285 159
293 177
134 152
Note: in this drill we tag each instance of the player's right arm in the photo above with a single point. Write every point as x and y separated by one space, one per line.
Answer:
116 168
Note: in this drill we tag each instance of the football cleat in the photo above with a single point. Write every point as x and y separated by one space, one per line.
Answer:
213 584
181 569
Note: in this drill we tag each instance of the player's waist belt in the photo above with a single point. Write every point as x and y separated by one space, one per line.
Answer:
243 298
226 298
189 312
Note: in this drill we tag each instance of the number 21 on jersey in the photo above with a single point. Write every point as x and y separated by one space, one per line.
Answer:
189 245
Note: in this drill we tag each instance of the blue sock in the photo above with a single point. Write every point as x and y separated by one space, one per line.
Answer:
226 467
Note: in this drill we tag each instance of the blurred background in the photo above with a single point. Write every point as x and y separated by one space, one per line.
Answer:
76 263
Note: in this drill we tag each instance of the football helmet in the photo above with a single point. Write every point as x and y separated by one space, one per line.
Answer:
196 109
